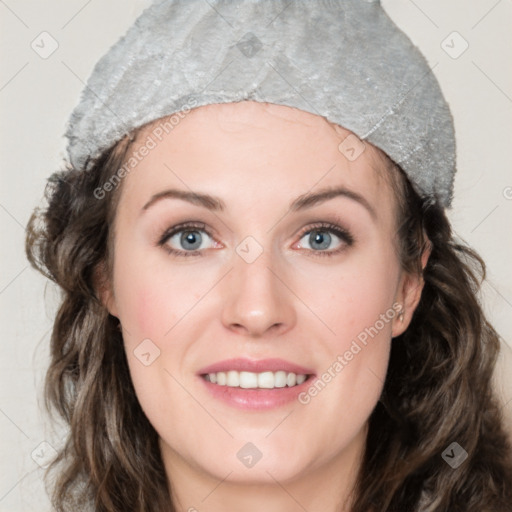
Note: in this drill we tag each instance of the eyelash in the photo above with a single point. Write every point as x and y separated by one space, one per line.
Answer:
340 232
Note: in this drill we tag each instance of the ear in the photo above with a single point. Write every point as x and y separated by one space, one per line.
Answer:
409 295
104 288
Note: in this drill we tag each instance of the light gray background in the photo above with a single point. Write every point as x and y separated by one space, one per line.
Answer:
37 95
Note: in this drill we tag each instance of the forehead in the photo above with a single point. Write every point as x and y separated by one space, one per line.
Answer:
249 151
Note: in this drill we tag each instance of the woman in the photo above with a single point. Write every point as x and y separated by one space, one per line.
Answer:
319 345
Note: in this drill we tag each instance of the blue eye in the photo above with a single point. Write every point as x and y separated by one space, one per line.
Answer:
321 237
192 239
188 237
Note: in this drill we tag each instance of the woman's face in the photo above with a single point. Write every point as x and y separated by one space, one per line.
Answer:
268 278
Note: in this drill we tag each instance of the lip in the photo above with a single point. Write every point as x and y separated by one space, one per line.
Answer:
255 399
256 366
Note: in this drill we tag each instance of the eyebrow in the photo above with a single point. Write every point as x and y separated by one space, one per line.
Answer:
303 202
204 200
312 199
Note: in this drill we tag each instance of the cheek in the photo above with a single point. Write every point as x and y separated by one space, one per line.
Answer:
144 308
150 299
352 298
148 309
353 373
356 304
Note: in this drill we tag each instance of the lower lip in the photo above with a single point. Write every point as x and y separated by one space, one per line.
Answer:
256 399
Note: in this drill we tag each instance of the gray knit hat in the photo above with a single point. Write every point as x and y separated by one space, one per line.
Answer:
344 60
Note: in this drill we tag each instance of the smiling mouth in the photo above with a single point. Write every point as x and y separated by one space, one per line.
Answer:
252 380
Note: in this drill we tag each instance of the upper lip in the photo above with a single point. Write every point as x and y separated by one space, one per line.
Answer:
255 366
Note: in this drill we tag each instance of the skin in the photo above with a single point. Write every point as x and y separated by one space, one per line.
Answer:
289 303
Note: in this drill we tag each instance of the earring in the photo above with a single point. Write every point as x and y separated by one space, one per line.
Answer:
401 315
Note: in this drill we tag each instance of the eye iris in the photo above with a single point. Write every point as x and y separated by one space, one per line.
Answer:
320 237
191 237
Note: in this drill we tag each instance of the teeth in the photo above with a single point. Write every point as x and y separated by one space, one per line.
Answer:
300 379
250 380
280 379
233 379
266 380
291 379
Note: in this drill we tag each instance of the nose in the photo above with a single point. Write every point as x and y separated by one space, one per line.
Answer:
257 298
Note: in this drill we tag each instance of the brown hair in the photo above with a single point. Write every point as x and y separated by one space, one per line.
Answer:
437 389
